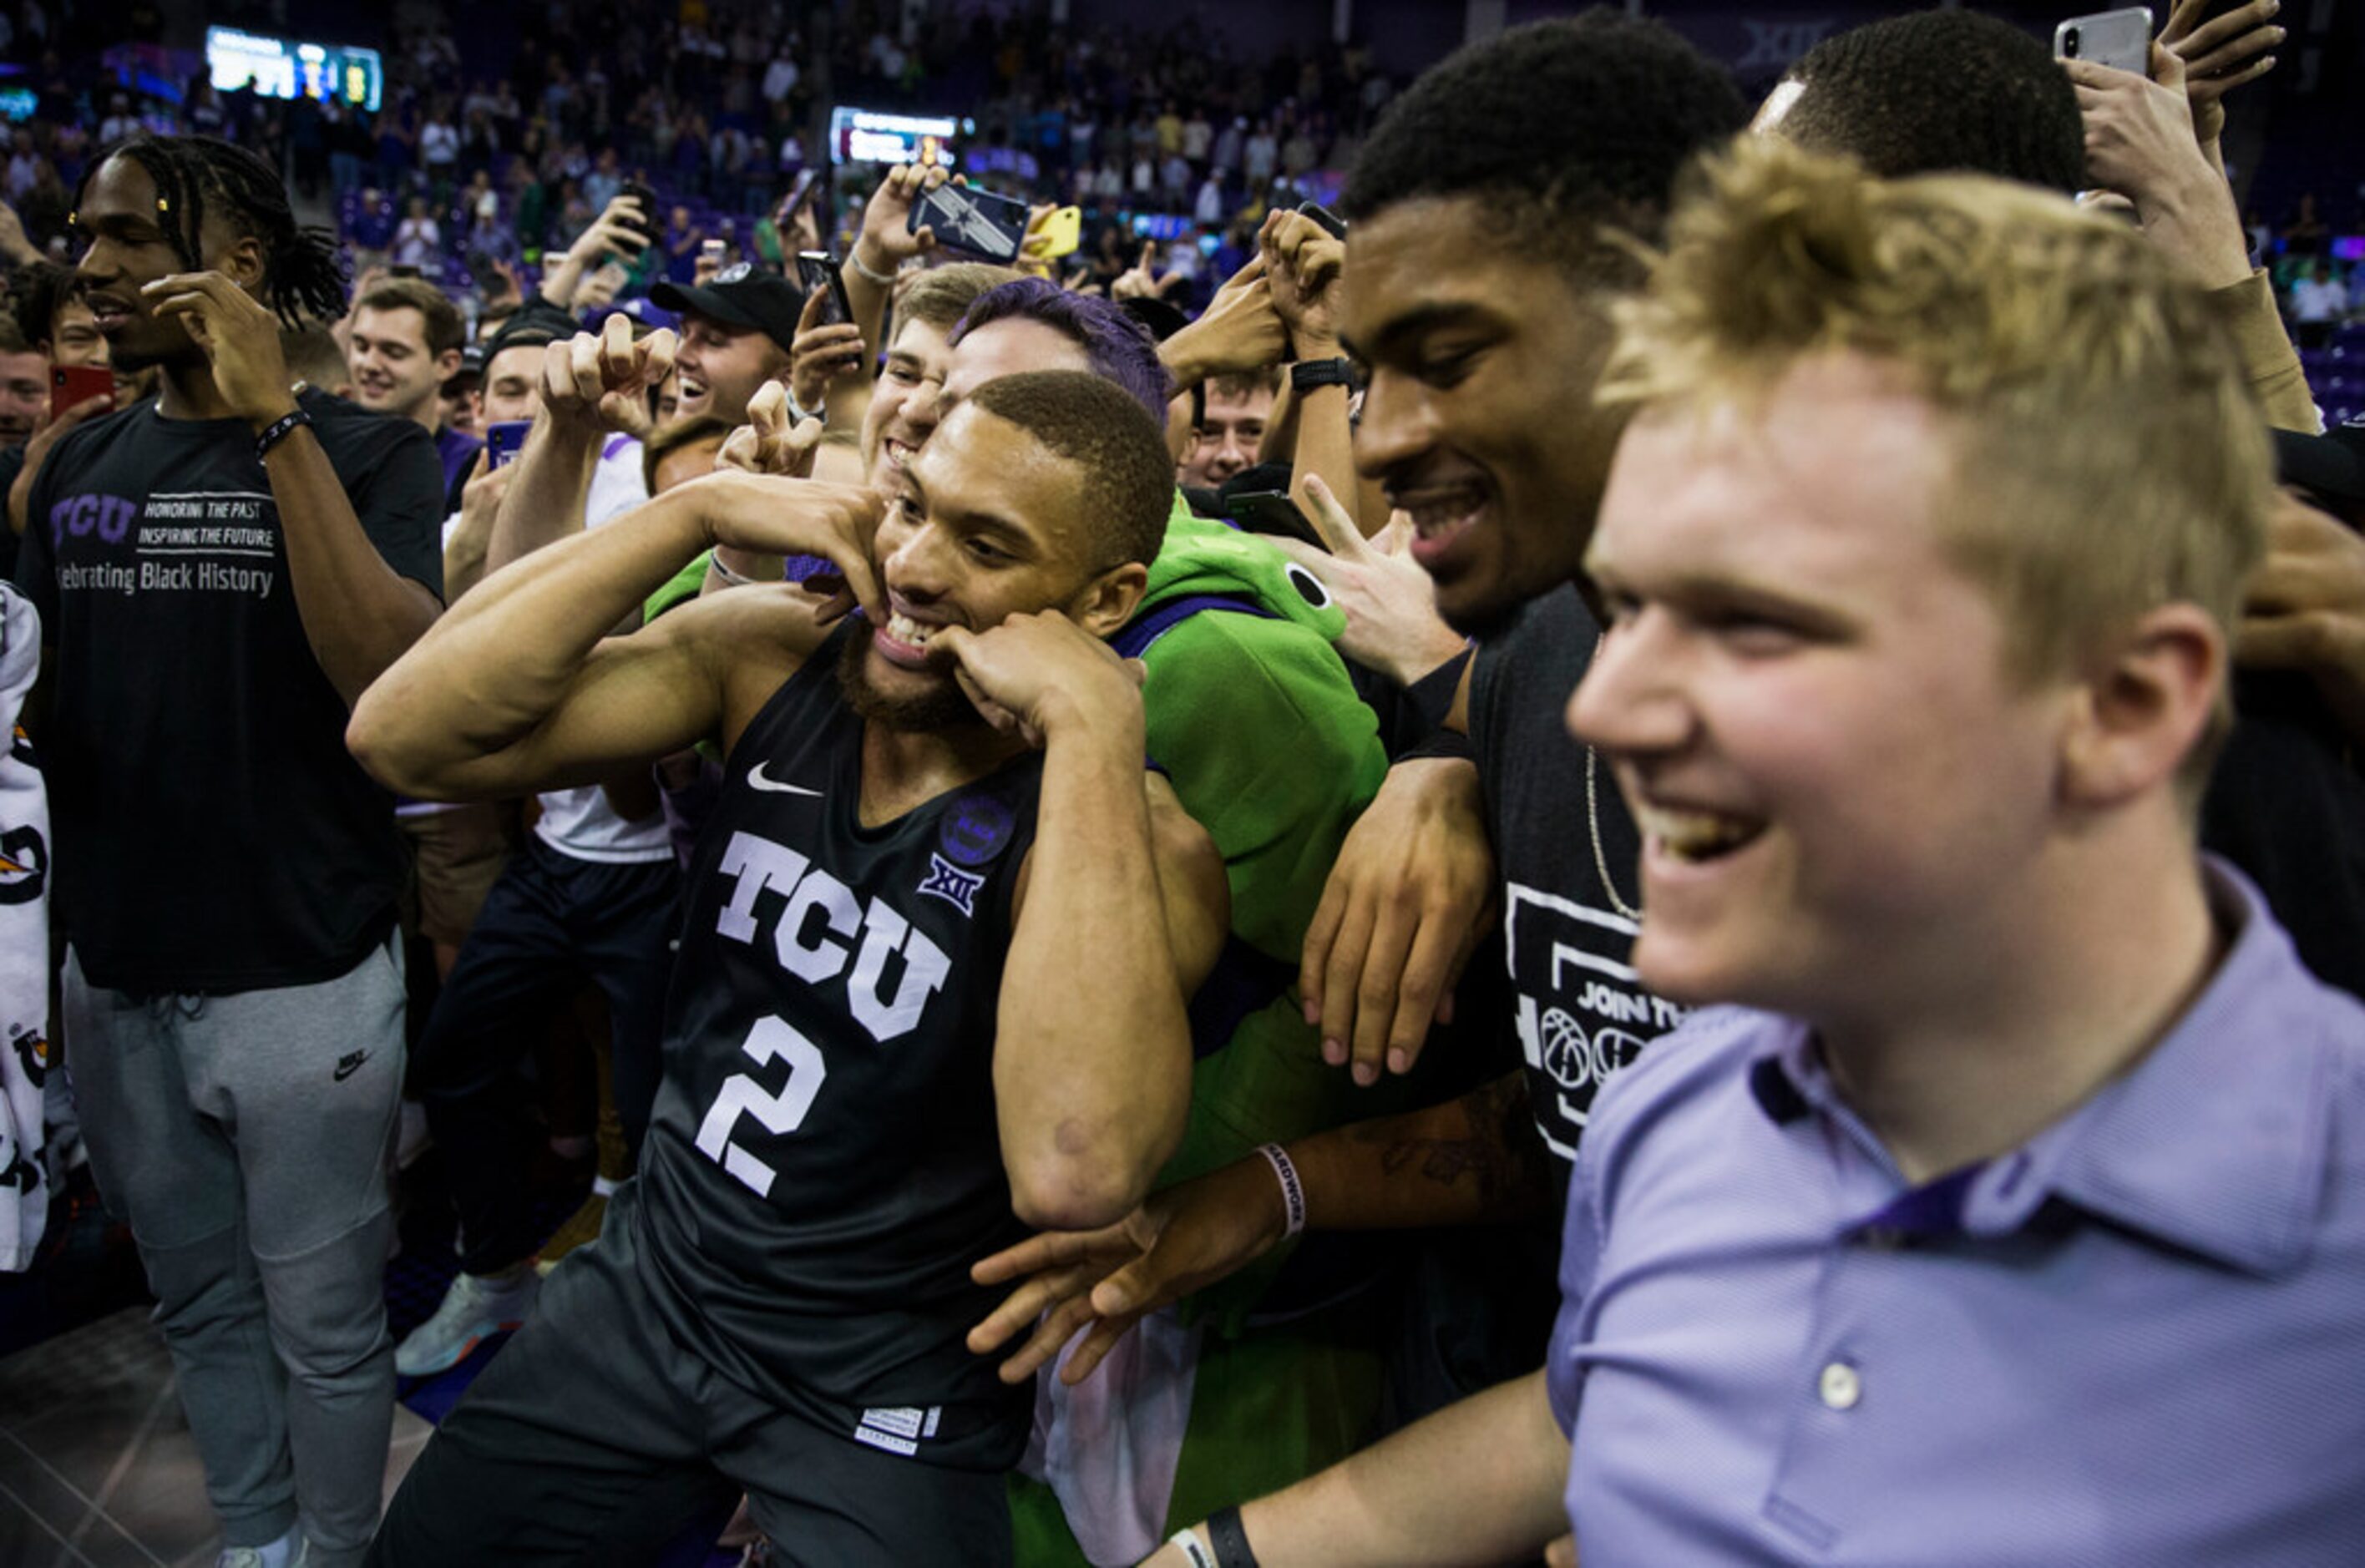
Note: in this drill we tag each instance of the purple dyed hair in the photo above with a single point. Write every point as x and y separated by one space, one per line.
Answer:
1120 348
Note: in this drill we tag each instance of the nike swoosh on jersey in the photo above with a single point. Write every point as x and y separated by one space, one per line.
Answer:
774 787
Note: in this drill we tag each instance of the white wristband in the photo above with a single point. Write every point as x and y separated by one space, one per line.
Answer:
735 579
1293 1192
1187 1539
854 259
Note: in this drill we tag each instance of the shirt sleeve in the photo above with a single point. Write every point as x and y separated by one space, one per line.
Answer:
1580 1255
399 501
2268 363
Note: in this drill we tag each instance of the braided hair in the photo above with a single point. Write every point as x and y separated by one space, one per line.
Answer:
303 274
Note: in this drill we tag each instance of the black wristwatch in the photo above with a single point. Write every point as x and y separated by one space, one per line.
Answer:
1308 374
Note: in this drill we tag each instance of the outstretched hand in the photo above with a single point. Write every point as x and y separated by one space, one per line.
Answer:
886 242
1389 601
1182 1240
2139 142
1305 263
1404 908
821 354
769 442
2303 610
602 381
1142 280
2220 55
769 514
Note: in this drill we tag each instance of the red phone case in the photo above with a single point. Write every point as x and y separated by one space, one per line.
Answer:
73 384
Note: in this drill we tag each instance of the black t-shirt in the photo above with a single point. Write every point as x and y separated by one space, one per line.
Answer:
12 463
2286 805
212 832
823 1164
1580 1013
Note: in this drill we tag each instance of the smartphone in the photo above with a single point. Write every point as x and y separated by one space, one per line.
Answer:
503 440
799 194
1063 230
646 199
1271 511
974 222
1336 225
712 251
73 384
818 269
2121 38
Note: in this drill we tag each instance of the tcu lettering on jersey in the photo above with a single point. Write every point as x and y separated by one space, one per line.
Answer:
817 930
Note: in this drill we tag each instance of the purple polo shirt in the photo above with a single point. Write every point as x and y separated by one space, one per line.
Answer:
2138 1339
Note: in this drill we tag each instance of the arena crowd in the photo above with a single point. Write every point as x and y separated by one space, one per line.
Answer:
1633 837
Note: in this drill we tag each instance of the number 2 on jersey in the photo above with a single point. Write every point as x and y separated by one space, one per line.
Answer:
771 1040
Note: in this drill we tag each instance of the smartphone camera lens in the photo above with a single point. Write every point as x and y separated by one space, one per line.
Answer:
2069 44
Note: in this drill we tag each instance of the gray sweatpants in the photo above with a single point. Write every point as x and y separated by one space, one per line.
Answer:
245 1138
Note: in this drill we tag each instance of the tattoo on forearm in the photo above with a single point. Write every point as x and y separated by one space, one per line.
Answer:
1501 1152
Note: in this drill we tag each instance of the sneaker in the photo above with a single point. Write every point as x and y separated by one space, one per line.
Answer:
289 1551
473 1311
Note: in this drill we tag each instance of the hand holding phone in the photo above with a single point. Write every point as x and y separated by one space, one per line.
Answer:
818 271
73 384
972 221
503 440
2120 39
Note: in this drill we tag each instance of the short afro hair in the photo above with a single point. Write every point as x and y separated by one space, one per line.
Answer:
1940 92
1559 128
1092 422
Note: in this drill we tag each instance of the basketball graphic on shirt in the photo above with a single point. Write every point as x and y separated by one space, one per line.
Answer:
1612 1049
1567 1054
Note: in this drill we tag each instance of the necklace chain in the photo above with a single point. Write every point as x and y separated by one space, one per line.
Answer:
1593 824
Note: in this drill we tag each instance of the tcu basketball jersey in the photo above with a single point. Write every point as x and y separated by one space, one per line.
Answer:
823 1164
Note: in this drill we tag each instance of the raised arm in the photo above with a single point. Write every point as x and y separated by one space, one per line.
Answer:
518 691
882 244
591 387
616 231
1091 1075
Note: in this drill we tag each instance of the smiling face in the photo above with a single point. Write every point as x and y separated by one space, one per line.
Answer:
1226 439
903 401
721 367
513 384
987 524
1807 701
129 248
24 396
394 371
74 337
1480 420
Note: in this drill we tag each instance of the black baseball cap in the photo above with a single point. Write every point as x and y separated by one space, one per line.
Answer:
471 373
2330 467
745 296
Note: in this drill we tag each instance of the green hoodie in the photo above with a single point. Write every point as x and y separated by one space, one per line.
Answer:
1258 727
